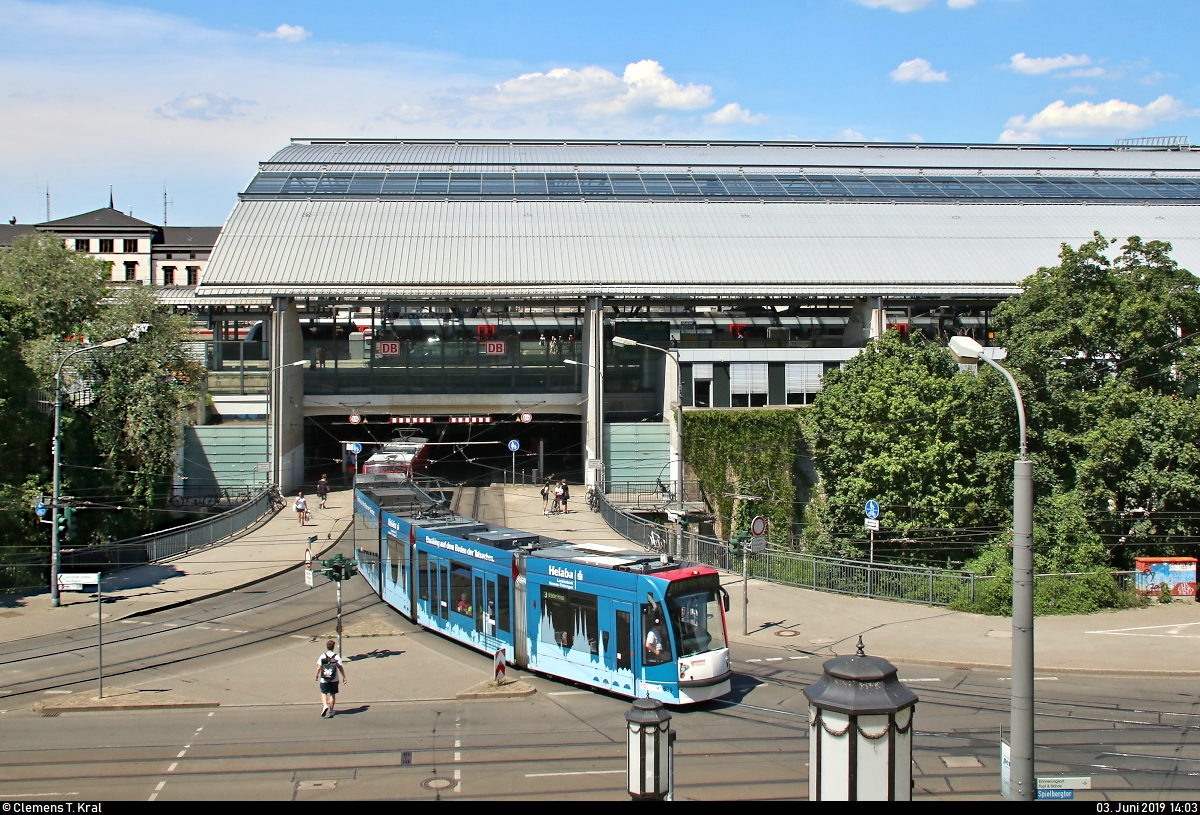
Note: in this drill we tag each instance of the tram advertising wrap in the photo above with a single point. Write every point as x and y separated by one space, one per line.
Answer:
627 622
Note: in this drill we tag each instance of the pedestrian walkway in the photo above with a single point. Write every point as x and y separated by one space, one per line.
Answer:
1160 639
269 549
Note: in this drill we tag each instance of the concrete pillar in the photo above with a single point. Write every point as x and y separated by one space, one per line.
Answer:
672 414
593 388
287 396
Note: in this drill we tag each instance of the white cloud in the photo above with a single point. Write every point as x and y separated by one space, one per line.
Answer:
1152 79
734 114
1086 90
204 106
1044 65
598 92
849 134
895 5
917 70
1088 72
1089 119
961 3
287 33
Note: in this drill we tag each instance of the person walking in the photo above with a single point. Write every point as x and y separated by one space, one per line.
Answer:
546 492
301 507
323 490
329 664
566 495
557 499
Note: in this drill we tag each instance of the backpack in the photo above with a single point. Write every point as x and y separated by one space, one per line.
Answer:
329 672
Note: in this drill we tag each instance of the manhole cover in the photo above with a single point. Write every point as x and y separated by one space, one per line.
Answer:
787 632
437 783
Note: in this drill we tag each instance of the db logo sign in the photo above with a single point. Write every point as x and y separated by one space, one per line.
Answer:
494 348
389 349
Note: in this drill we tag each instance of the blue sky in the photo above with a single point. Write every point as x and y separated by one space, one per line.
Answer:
193 95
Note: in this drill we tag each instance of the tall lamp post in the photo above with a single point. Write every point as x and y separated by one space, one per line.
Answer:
1021 783
598 413
624 342
55 556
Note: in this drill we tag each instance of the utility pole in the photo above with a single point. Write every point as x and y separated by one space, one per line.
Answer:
339 568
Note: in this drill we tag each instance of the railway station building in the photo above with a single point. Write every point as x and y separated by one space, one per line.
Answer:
450 286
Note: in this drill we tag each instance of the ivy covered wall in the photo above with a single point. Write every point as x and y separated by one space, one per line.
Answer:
746 452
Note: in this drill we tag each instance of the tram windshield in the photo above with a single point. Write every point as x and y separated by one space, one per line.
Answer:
696 619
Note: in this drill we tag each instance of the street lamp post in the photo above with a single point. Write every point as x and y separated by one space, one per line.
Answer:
968 352
55 555
672 355
598 412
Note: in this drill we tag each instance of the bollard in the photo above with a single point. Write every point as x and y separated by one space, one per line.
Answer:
860 731
650 763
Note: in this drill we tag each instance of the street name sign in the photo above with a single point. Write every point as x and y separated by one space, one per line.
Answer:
75 581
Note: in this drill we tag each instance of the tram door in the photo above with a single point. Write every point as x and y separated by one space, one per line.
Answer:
485 603
619 655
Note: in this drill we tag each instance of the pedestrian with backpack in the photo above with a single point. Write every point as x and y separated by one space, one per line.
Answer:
328 666
546 491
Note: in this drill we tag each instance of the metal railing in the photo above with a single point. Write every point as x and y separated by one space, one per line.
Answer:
927 585
178 540
650 494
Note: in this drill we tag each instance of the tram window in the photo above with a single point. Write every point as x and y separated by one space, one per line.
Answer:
460 587
570 620
696 619
395 553
480 599
443 585
423 575
503 616
402 553
656 647
624 657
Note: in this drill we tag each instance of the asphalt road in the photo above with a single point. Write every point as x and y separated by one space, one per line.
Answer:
402 734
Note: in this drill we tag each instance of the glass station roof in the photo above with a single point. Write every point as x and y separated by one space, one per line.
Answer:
722 186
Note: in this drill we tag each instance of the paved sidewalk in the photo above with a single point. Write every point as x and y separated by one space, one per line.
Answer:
274 547
1159 640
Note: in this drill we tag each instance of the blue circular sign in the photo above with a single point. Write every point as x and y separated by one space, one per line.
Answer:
355 448
872 508
40 509
514 445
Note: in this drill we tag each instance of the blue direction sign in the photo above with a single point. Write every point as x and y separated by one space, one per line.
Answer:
872 509
355 448
40 509
514 445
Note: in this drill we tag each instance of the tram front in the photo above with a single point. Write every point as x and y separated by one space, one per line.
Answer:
688 606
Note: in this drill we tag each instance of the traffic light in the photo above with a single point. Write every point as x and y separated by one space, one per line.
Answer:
66 523
737 545
339 568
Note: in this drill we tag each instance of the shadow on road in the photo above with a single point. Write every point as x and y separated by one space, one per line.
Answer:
379 653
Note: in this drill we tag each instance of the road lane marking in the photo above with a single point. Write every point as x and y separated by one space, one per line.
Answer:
203 627
577 772
571 693
161 784
153 796
458 756
171 625
50 692
202 727
774 659
803 657
754 660
1168 631
182 753
1035 679
920 680
171 769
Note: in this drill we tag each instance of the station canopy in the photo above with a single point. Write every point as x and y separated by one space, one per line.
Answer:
686 220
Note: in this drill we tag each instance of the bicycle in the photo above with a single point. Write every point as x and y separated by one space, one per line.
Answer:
277 500
593 499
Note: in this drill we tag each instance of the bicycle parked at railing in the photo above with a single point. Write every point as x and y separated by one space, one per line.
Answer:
593 499
277 500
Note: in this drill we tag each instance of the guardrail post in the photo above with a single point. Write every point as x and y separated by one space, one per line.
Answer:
931 587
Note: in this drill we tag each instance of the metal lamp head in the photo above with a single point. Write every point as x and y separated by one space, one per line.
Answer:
623 342
965 350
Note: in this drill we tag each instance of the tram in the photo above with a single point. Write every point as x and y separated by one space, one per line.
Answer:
628 622
404 456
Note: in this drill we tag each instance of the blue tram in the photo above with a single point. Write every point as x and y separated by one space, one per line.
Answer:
629 622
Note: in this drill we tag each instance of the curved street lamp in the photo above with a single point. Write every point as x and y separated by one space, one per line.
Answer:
55 555
967 351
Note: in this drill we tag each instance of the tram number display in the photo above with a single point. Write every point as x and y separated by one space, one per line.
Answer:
388 348
494 348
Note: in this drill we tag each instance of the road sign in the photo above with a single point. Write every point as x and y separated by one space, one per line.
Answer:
354 447
1056 795
758 544
1076 782
40 509
263 467
872 508
1005 770
388 348
514 445
758 527
526 418
308 558
308 578
498 665
355 418
494 348
77 580
872 524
